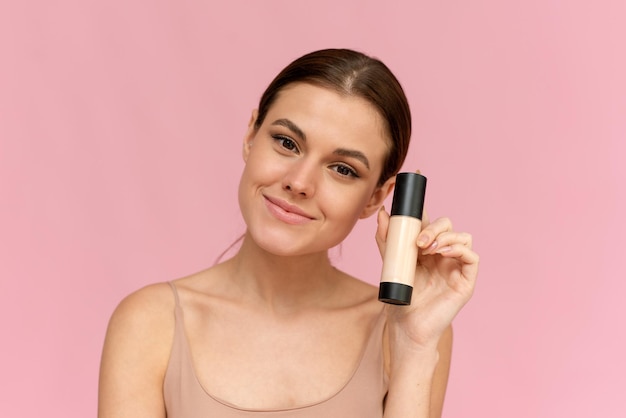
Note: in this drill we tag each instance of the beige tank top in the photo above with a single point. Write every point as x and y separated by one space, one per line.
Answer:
361 397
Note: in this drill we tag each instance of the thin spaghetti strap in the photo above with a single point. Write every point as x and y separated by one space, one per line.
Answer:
175 293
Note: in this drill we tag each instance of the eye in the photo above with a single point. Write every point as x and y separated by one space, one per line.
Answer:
345 170
286 143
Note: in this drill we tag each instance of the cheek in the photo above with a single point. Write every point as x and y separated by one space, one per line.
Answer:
261 163
345 207
241 193
248 176
258 172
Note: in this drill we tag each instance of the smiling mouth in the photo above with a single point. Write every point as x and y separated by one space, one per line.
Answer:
286 212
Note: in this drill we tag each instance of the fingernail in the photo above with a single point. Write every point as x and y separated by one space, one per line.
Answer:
444 250
421 242
431 248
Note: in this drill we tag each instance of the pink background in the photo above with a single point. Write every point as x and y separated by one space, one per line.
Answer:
120 133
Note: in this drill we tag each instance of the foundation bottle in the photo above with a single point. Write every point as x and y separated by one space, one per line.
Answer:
405 223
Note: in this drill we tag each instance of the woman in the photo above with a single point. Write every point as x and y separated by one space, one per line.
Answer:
277 330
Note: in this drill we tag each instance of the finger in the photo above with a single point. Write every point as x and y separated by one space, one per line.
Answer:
468 258
425 219
449 238
381 230
431 231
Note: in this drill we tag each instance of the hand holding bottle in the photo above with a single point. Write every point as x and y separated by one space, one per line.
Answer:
444 278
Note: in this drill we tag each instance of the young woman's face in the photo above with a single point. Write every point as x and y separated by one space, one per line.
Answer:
312 170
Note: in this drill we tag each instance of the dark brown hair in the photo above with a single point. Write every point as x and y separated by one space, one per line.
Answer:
352 73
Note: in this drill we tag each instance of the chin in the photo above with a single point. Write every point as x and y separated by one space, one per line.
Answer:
283 244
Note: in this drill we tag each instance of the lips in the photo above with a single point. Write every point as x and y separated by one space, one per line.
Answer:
286 212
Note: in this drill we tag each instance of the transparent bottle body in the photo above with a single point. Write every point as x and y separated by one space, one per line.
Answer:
400 258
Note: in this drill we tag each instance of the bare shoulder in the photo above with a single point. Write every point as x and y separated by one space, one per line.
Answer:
135 354
145 313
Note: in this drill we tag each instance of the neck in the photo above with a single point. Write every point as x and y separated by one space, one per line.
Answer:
283 282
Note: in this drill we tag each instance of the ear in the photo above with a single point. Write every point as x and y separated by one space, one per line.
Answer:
378 197
250 134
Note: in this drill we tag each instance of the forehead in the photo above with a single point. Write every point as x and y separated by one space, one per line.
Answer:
324 111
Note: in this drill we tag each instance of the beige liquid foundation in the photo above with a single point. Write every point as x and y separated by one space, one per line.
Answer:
400 259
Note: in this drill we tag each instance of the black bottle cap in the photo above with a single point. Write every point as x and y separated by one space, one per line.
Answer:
395 293
408 195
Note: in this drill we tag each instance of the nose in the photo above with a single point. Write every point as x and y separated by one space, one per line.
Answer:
300 179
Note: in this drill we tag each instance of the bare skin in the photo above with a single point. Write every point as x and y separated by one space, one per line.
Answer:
279 292
300 373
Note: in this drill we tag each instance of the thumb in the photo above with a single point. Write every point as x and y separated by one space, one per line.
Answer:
381 230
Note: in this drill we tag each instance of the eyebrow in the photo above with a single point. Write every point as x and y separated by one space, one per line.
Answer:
358 155
291 126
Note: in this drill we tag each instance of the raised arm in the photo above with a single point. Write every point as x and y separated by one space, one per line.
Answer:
419 336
